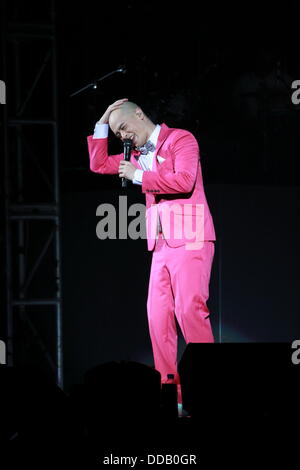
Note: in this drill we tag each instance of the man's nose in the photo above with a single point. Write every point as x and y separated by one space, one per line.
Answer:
124 135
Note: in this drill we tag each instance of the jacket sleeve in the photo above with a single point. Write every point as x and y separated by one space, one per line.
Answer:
185 155
100 161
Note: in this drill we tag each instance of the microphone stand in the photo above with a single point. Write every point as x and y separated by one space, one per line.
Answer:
94 85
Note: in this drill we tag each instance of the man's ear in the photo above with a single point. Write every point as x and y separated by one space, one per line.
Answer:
139 113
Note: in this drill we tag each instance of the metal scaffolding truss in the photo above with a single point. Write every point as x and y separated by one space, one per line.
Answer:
31 184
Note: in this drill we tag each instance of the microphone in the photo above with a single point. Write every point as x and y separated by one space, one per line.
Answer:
127 154
94 84
121 69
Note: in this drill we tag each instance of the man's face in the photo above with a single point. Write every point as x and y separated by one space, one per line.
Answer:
129 125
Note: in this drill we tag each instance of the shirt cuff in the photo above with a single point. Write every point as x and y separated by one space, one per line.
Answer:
100 131
138 176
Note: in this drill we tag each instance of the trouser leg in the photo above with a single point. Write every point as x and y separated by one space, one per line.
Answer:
161 319
190 276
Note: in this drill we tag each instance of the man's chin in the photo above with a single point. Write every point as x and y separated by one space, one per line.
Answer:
138 146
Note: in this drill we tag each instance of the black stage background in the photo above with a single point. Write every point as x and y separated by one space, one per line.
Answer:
191 68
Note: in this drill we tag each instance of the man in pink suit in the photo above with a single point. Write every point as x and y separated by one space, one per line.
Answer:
165 162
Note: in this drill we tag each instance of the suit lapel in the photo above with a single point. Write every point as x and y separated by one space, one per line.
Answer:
164 132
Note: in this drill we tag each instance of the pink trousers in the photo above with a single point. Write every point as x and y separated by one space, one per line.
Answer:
178 286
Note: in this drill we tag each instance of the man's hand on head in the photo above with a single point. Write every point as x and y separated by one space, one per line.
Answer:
126 170
116 105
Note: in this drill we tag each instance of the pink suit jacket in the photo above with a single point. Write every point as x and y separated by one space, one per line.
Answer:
174 191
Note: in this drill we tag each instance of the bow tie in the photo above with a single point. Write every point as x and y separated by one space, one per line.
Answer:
148 147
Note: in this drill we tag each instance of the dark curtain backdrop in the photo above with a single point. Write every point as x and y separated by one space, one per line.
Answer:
254 282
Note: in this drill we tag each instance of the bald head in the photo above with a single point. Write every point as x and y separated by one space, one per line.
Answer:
128 108
130 122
